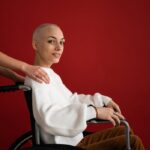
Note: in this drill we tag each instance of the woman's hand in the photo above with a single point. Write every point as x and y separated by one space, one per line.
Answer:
36 73
114 106
109 114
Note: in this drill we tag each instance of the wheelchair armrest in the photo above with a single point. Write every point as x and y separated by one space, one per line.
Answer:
122 122
11 88
95 120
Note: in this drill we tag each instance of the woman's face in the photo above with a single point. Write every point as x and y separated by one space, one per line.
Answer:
50 46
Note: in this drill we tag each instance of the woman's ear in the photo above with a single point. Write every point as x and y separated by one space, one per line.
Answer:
34 45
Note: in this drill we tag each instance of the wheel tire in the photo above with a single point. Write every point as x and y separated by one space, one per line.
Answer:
21 141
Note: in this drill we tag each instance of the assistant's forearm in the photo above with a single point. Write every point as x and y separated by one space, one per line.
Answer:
12 63
8 73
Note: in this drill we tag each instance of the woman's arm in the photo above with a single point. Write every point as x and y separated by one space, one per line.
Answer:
35 72
54 113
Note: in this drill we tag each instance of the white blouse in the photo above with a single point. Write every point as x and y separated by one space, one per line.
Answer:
61 114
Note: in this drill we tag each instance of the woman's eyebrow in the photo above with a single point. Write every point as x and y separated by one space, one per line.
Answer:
56 38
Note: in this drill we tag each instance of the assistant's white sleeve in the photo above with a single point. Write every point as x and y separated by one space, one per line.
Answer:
57 119
96 100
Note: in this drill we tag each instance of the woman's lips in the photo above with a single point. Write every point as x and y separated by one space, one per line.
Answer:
57 55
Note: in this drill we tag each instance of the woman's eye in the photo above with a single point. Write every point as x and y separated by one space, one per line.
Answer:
62 42
50 41
54 42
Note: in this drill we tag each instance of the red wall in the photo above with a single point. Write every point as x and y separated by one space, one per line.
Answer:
107 50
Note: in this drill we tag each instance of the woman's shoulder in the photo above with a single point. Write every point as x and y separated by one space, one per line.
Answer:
34 84
53 76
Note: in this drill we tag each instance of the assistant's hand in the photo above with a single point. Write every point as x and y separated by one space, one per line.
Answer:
36 73
105 113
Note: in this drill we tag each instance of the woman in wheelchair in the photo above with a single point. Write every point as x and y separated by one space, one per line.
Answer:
62 115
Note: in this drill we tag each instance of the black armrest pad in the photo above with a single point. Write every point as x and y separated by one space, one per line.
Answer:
95 120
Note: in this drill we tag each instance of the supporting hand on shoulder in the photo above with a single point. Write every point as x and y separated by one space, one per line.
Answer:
36 73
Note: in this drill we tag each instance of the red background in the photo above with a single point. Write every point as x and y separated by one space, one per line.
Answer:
107 50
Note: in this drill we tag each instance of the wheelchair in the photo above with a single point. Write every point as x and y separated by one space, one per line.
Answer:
31 139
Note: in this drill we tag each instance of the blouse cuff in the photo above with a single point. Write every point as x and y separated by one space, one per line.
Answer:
91 113
106 100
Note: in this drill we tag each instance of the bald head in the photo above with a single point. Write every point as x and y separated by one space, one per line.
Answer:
48 43
40 29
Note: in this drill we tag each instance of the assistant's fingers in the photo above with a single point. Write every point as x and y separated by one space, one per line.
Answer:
43 76
36 78
40 75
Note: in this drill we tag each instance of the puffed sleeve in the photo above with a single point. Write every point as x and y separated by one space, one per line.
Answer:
63 119
97 100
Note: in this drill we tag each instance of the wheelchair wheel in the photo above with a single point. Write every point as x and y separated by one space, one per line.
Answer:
23 142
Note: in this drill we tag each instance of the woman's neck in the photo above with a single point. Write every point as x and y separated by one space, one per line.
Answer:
38 62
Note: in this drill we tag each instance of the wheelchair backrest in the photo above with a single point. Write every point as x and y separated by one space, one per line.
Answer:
34 126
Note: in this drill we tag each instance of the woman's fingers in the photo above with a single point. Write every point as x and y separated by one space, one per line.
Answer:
112 121
117 117
120 116
117 108
109 114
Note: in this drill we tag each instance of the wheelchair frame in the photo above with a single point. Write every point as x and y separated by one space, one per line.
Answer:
34 134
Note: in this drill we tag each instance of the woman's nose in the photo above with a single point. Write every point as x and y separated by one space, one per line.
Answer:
58 47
